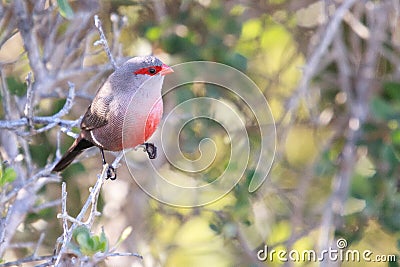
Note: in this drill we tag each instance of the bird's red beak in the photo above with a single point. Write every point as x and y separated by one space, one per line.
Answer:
165 69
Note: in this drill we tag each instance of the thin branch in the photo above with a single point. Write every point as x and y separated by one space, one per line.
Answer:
103 41
5 95
46 205
28 110
44 173
359 111
117 159
38 244
26 260
25 198
313 63
99 257
31 43
117 24
20 245
64 210
15 124
91 200
50 121
27 154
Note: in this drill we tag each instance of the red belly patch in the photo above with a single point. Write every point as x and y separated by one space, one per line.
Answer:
153 119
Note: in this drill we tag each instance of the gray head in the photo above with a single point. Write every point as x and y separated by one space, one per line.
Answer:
141 63
138 70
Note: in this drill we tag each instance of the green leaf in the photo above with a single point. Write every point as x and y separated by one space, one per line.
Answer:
82 237
382 110
103 242
7 176
89 244
153 33
392 90
15 86
124 235
215 228
65 9
95 243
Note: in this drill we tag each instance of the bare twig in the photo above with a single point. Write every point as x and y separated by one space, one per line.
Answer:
93 213
6 96
359 110
118 159
46 205
30 95
31 43
38 244
51 121
313 62
92 200
99 257
26 260
64 219
27 154
25 199
44 173
15 124
117 24
103 41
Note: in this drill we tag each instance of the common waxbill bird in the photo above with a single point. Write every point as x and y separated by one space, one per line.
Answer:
125 111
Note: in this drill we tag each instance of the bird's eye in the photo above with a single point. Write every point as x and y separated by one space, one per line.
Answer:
149 70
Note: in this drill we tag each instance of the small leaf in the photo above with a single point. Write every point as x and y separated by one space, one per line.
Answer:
392 90
154 33
215 228
104 241
7 176
124 235
127 231
89 244
82 237
65 9
95 243
79 230
382 109
15 86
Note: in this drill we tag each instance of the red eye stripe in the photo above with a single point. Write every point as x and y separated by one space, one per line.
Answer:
149 70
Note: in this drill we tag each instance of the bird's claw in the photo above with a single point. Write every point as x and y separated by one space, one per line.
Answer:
111 173
151 150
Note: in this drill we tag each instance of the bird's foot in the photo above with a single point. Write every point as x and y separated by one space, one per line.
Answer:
151 150
111 173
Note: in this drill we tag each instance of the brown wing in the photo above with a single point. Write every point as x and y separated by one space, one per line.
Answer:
97 114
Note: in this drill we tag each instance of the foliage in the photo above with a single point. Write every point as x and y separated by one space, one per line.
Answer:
7 176
88 244
65 9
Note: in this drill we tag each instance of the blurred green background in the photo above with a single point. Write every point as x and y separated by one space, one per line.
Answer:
295 208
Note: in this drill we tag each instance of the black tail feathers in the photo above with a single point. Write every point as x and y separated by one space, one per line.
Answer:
76 148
